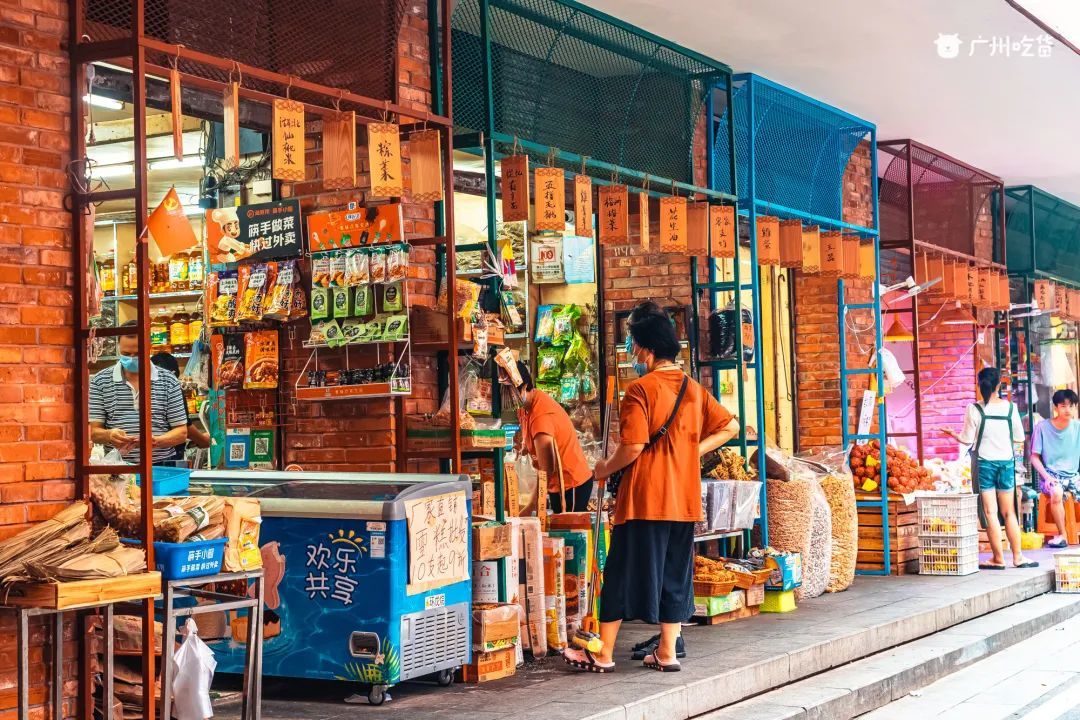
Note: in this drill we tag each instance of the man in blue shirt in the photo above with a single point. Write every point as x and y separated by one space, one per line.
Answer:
1055 455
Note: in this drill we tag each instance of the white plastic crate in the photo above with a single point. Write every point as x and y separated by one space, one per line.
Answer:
1067 571
940 555
949 515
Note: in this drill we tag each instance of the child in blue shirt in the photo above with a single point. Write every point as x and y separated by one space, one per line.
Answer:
1055 455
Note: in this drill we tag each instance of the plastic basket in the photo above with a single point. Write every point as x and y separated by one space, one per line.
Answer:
176 561
949 515
170 480
948 555
1067 571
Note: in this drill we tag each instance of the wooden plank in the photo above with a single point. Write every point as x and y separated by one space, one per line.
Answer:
902 543
84 592
869 556
728 617
872 532
909 567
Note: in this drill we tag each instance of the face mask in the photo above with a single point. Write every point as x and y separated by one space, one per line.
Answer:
130 363
639 367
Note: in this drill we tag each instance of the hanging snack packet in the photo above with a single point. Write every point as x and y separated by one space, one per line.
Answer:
376 329
356 267
568 387
363 300
545 323
577 354
397 328
549 364
506 360
318 333
479 403
279 301
393 300
397 263
298 303
231 368
551 389
332 333
261 360
337 269
351 329
565 323
320 270
223 298
272 269
340 301
589 392
378 265
511 312
320 303
252 290
467 294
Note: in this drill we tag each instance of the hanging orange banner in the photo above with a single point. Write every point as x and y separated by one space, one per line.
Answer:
287 154
697 228
673 224
722 231
1043 294
962 276
230 121
948 279
425 166
811 249
1005 291
614 215
867 262
384 160
851 257
550 212
643 220
790 243
177 114
583 225
832 254
935 270
768 240
339 151
515 187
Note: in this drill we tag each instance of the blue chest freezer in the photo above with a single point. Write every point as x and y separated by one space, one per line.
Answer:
367 576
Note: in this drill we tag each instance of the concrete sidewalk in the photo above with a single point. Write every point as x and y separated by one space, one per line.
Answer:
725 663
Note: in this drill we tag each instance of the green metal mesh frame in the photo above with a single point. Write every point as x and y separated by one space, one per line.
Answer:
1042 234
568 77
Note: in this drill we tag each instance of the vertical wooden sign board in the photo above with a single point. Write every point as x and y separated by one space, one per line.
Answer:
1061 299
768 240
613 217
811 249
230 120
832 254
961 273
918 263
1044 294
790 243
288 138
995 291
1074 305
867 266
339 151
971 278
515 187
851 257
550 213
697 228
935 270
673 224
1005 291
583 225
384 160
722 231
983 299
425 166
177 115
643 220
948 279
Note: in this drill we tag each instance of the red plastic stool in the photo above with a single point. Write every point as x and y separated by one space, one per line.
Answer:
1048 527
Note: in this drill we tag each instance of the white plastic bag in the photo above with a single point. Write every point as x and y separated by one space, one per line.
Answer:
194 672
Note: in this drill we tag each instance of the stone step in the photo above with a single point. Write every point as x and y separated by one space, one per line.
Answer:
874 681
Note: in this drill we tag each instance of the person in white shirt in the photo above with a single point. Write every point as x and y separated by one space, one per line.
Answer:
995 433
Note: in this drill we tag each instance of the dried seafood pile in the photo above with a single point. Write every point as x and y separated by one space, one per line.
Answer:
62 548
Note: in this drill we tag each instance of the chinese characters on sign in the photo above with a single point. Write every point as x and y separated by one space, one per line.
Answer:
438 530
354 227
265 231
550 199
832 254
515 188
288 151
768 240
984 288
614 217
722 231
583 205
384 160
643 218
673 224
331 567
1041 46
1044 294
201 560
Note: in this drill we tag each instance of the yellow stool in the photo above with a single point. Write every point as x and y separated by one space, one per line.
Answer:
1032 540
778 602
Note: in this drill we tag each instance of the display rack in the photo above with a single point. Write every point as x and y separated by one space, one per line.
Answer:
790 154
931 202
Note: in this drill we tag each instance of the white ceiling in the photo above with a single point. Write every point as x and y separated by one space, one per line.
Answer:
1015 117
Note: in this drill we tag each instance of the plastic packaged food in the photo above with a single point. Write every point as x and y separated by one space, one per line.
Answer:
363 300
320 270
393 299
337 269
222 288
356 267
397 327
564 325
252 288
545 323
340 302
320 303
549 365
230 372
261 360
378 266
279 300
397 263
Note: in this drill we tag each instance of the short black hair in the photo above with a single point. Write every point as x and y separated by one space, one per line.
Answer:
166 361
652 329
1065 396
526 375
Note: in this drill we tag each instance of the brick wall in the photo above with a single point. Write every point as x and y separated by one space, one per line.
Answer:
36 355
358 435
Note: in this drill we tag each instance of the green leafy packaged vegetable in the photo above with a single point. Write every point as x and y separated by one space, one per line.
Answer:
320 303
332 332
577 353
568 389
564 325
554 390
351 329
397 327
340 302
363 300
545 323
549 364
393 299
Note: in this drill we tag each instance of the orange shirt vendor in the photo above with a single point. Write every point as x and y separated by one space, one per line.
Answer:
545 428
649 570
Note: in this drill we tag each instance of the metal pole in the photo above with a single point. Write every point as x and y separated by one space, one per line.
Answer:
878 344
58 666
23 632
916 353
755 299
448 220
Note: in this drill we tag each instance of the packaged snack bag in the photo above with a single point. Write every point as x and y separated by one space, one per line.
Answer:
261 360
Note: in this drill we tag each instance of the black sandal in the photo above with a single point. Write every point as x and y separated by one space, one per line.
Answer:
991 566
589 663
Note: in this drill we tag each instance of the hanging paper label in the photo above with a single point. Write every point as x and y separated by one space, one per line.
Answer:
790 243
614 217
697 228
515 187
722 231
643 220
339 150
579 260
962 284
384 159
768 240
1005 289
288 150
851 257
1044 294
832 254
547 259
425 166
583 205
811 249
550 199
673 225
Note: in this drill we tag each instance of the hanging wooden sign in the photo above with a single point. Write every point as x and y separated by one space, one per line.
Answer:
918 263
673 224
867 261
768 240
811 249
1074 305
1005 291
614 215
230 121
339 150
962 277
972 287
1043 294
995 290
948 278
935 270
832 254
1061 299
985 279
643 220
287 153
790 243
550 212
583 210
425 166
850 270
722 231
515 187
384 160
697 229
177 114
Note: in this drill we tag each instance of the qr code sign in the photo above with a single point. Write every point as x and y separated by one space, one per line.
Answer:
261 446
236 451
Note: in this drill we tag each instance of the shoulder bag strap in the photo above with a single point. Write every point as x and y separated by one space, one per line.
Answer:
982 426
674 411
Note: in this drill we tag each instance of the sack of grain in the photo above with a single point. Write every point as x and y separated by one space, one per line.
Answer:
817 559
789 515
840 493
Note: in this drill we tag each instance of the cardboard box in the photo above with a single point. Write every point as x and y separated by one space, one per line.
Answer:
488 666
787 572
495 626
755 595
491 541
555 592
576 557
484 499
485 581
709 606
513 501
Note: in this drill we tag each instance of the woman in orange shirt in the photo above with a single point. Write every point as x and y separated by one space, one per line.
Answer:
650 564
545 428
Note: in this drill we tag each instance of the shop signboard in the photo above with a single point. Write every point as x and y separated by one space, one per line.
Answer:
354 227
768 241
384 160
673 224
550 199
438 529
643 219
790 243
614 217
583 205
265 231
515 188
288 138
722 231
811 249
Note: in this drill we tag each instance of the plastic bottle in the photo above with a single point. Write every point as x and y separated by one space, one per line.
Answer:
131 276
178 331
159 330
178 272
195 326
196 270
108 275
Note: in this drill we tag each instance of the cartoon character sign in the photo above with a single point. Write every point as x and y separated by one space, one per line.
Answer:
265 231
948 46
228 245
